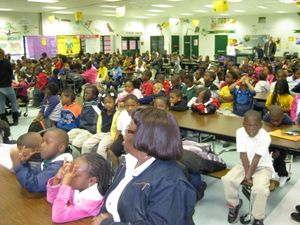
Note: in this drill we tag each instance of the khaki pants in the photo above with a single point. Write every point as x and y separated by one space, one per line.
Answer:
78 136
103 140
259 191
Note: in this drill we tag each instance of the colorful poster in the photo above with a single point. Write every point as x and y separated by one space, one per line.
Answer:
132 44
12 44
68 45
36 45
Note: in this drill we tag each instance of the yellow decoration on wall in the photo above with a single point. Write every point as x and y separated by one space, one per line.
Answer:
220 5
120 11
291 39
165 25
195 23
78 16
44 41
68 45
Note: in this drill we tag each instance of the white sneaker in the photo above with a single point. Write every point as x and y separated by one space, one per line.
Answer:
283 180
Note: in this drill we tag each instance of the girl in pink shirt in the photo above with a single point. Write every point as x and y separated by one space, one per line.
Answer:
78 188
90 74
129 88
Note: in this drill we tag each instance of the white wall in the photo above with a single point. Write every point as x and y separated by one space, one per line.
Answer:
279 25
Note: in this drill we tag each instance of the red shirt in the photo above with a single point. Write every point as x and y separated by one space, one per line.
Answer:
147 88
42 81
167 87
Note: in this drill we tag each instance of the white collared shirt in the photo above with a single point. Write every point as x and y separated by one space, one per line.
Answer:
60 157
130 173
91 193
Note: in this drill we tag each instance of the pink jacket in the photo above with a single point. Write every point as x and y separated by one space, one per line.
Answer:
64 209
295 107
135 92
90 75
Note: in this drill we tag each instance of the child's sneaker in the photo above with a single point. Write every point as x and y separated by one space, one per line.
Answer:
296 216
283 180
258 222
234 212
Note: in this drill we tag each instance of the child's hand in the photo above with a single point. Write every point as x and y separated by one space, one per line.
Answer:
99 219
71 172
248 181
61 172
26 153
15 157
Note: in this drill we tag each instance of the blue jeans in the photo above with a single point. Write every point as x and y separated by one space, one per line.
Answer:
8 92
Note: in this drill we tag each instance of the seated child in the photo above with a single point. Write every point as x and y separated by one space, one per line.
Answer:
102 73
28 143
50 111
281 96
54 77
209 78
262 85
70 114
104 135
88 118
166 85
124 119
158 90
255 168
129 88
243 93
90 73
189 91
198 78
115 77
176 83
177 102
77 190
21 88
52 148
277 117
161 102
204 103
225 97
147 86
295 108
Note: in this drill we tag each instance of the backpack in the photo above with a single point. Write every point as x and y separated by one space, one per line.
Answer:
199 158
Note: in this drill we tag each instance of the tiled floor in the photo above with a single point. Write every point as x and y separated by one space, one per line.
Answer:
211 209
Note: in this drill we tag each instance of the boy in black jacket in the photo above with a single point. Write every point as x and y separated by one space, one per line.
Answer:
177 102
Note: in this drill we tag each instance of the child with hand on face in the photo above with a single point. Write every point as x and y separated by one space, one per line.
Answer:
204 103
52 148
77 189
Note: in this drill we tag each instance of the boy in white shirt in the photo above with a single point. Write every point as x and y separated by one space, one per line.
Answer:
255 168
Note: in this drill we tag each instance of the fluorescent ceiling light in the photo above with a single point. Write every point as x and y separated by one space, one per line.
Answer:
281 11
44 1
186 14
287 1
155 10
200 11
209 6
262 7
109 6
239 10
111 0
108 11
142 17
5 9
224 14
63 12
163 6
175 0
150 14
54 7
235 0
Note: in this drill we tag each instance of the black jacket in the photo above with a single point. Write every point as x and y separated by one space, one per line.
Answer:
160 195
6 73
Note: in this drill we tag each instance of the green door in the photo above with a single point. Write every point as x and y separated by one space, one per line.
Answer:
221 42
130 45
175 44
157 43
191 45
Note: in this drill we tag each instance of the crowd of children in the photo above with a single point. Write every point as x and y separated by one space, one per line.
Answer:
76 189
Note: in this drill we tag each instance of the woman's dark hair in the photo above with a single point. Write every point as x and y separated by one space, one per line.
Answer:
99 168
69 93
4 131
207 94
157 133
53 88
281 88
131 97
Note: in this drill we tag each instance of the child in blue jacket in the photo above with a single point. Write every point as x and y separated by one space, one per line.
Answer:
35 178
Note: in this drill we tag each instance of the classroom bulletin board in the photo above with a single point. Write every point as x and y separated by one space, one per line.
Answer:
68 45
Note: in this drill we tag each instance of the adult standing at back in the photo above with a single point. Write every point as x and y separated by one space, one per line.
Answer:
270 48
6 89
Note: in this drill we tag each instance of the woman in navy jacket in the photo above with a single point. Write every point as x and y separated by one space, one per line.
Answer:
150 189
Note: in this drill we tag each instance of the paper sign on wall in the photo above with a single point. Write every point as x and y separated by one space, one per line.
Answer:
68 45
44 41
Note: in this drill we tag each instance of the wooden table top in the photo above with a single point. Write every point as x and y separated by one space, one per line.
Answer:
18 207
261 96
226 126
